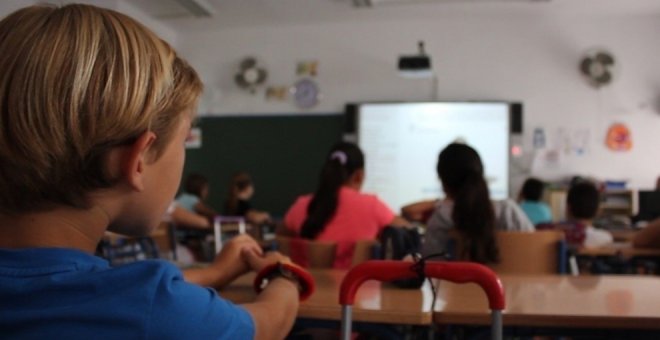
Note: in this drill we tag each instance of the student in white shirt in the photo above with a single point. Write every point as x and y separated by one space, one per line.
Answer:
581 207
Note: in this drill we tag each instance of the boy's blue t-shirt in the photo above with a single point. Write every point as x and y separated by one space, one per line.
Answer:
538 212
53 293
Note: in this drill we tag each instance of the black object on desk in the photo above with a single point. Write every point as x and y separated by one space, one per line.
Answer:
649 206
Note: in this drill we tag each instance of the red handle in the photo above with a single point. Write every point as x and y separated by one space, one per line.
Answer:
458 272
466 272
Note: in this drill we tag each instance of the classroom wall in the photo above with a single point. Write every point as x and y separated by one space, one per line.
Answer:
162 29
527 53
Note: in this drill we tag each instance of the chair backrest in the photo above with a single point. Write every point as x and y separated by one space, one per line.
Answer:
364 251
320 254
529 253
306 253
574 232
539 252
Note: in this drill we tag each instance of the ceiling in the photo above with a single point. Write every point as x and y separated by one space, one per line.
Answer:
245 13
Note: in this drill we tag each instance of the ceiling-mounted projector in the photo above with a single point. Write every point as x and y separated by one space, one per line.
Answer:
416 66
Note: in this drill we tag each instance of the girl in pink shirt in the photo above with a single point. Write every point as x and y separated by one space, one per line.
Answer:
337 211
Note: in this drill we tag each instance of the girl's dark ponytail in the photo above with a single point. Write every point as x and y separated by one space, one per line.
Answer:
461 172
342 161
474 218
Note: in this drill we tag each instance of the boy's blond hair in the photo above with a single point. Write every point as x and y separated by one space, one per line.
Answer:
77 81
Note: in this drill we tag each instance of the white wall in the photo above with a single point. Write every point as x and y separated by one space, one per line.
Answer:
9 6
162 29
529 55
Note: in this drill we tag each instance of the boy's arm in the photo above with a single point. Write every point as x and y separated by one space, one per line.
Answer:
275 309
227 265
418 211
399 221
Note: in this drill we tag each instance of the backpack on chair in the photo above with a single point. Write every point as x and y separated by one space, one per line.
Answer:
397 243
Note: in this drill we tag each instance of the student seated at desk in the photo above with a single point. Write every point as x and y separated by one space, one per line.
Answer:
193 218
184 217
193 231
530 201
196 191
338 211
581 207
238 203
468 209
95 110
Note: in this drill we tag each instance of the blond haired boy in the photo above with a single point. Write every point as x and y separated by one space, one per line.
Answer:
94 111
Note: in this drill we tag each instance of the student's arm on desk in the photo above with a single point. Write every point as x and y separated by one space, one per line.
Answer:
418 211
227 265
257 217
275 309
189 219
205 210
649 237
400 222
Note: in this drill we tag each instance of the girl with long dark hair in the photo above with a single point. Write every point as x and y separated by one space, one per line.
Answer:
468 209
337 211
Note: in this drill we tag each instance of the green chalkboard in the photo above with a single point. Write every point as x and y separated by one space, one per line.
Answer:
283 154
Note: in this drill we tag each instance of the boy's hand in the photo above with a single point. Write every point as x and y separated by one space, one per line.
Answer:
228 263
232 250
257 261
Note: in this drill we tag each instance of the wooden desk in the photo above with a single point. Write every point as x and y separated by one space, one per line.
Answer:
623 302
553 301
624 249
374 302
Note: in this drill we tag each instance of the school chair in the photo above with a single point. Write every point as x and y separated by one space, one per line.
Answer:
539 252
321 254
306 253
365 250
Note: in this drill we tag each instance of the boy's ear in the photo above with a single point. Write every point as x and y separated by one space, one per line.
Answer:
136 159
